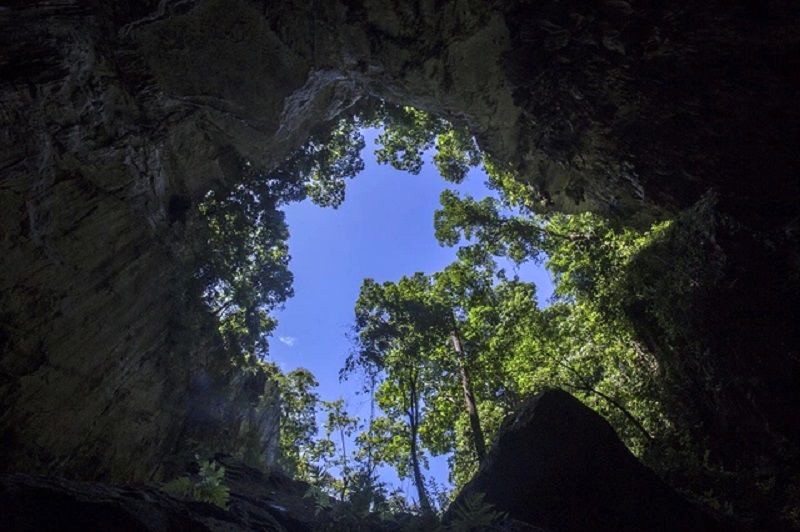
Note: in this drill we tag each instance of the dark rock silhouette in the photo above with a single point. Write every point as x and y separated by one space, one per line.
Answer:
558 465
258 502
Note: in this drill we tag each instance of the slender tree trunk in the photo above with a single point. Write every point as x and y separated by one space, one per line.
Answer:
345 466
613 402
469 397
584 386
370 461
419 482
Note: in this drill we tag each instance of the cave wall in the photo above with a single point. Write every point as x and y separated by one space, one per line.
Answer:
116 116
108 360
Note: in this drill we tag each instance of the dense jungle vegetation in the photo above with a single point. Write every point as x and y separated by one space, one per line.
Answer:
445 357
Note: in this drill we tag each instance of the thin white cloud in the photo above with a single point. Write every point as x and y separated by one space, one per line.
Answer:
287 340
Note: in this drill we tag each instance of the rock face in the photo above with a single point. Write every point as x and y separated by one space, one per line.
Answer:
33 503
258 501
560 466
41 503
117 117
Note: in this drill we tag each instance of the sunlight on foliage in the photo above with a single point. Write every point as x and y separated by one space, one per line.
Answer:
448 355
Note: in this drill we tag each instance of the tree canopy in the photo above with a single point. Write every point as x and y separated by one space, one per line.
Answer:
446 355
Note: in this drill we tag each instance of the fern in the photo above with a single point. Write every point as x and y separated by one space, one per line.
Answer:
474 514
322 500
209 487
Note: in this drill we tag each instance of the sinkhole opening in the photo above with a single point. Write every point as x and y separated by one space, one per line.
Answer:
406 313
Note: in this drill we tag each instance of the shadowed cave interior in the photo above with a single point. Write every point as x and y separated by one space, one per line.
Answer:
644 152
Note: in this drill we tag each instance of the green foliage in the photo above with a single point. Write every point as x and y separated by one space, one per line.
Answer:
321 500
339 429
368 507
245 263
667 287
325 460
242 254
622 325
474 514
456 153
209 486
408 133
510 348
406 330
299 404
518 237
332 160
582 342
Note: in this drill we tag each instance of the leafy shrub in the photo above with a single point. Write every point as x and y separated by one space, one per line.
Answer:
208 487
322 501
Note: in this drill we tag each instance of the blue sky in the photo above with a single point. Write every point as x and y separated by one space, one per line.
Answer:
383 230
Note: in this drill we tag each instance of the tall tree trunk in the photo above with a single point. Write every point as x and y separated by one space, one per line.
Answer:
419 482
345 466
370 461
469 397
